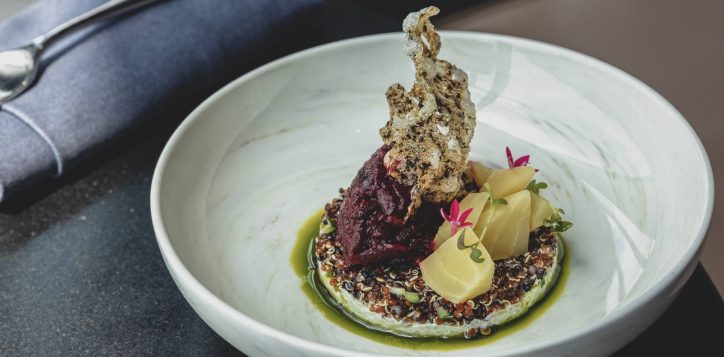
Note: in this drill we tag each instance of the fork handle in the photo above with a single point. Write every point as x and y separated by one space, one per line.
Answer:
112 7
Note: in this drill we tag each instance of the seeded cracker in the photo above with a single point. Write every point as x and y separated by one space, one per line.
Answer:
430 126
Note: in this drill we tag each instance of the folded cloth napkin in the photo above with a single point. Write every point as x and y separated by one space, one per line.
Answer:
99 81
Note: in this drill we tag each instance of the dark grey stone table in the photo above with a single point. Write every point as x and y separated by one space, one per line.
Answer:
80 272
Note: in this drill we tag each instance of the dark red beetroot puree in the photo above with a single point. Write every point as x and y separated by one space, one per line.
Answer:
370 224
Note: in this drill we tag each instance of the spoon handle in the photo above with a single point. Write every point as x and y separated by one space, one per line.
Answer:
112 7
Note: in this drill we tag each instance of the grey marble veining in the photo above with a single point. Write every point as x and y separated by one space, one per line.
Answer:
250 165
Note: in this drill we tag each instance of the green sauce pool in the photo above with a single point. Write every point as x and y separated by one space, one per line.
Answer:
308 283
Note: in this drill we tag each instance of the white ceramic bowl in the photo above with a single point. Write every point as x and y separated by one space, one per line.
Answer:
254 161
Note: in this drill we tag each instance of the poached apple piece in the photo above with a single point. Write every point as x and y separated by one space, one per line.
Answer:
452 274
505 233
505 182
540 210
390 211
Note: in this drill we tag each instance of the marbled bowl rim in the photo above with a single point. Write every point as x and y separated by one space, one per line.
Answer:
183 276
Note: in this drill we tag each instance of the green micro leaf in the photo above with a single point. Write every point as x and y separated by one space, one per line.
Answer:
564 226
461 242
500 201
556 224
476 255
535 187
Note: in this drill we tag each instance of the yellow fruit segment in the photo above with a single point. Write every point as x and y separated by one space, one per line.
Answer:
506 233
505 182
477 202
479 172
483 222
540 210
451 272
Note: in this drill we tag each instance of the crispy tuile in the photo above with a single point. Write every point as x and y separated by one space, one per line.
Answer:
430 126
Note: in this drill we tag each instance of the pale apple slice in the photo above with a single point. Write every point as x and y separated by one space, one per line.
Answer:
506 232
483 222
453 273
476 201
479 172
505 182
540 210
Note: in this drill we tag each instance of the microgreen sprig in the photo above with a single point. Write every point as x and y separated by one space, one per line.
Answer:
475 253
491 198
535 187
556 224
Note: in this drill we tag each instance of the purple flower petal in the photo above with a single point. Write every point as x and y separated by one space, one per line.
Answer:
522 161
465 215
510 157
442 213
454 210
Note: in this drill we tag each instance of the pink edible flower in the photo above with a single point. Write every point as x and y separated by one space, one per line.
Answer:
521 161
456 219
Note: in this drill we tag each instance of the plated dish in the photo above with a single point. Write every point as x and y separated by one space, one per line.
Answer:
257 159
392 256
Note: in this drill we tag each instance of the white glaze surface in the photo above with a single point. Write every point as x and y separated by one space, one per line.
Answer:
252 163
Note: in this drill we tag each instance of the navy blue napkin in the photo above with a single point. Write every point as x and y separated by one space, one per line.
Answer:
102 80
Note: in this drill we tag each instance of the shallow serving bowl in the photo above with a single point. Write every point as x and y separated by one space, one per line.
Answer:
253 162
